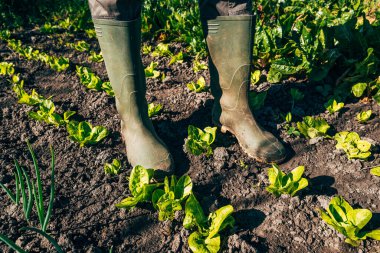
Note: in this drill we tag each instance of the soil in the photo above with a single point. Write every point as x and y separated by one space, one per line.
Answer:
84 216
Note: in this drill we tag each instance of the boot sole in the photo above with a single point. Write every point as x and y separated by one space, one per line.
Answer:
225 129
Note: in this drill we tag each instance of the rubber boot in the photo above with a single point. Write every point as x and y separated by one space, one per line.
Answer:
230 41
120 42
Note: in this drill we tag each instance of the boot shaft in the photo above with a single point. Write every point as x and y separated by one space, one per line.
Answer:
229 43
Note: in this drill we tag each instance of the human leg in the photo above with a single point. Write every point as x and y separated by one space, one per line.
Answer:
118 27
229 30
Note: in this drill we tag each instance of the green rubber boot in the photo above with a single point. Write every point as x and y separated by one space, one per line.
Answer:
230 41
120 42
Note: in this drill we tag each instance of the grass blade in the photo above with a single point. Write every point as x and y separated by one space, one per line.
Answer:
17 179
30 195
9 193
40 200
11 244
52 191
22 186
50 239
39 213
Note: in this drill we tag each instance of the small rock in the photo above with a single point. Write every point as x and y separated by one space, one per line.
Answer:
323 201
315 140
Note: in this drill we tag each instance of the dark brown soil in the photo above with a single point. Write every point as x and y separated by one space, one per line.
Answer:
84 217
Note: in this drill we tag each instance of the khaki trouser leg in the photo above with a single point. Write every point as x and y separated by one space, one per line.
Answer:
123 10
126 10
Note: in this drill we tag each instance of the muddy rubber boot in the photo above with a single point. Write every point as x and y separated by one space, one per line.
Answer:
229 41
120 42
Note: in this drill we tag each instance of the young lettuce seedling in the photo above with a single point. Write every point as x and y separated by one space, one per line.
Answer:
141 187
90 33
6 69
112 168
81 46
349 221
198 141
59 64
363 117
359 89
153 109
281 183
198 86
206 238
88 79
24 98
107 88
169 200
198 65
333 106
354 147
177 58
151 72
375 171
161 50
94 57
313 127
46 113
255 77
84 133
146 49
290 129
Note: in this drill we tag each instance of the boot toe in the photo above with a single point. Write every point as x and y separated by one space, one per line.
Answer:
272 152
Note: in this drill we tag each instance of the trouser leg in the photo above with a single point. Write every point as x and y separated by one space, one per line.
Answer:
210 9
123 10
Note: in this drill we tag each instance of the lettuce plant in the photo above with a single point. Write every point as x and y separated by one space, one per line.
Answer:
349 221
5 34
24 98
364 116
88 79
199 65
151 72
206 238
169 200
255 77
161 50
146 49
281 183
94 57
354 147
153 109
90 33
375 171
178 58
112 168
6 69
84 133
359 89
59 64
313 127
198 86
333 106
46 113
107 88
290 129
141 187
81 46
199 141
